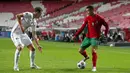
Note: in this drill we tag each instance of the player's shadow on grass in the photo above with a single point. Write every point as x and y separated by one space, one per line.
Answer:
99 70
29 69
68 70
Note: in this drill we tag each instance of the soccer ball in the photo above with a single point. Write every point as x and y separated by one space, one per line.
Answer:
81 65
111 45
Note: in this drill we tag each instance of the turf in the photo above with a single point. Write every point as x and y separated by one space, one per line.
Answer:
60 57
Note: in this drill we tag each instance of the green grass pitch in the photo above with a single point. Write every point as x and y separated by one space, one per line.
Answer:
59 57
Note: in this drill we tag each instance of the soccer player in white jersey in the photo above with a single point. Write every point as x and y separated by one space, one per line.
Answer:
21 39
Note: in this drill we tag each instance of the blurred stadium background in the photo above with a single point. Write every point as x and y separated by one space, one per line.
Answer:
60 20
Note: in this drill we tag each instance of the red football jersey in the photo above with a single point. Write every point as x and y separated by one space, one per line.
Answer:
93 25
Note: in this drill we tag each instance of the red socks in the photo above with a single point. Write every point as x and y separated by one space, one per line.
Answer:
94 58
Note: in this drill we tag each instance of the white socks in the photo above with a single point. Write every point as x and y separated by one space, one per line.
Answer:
32 57
16 57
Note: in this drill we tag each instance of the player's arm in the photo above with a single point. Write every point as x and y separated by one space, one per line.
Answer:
81 28
106 27
35 38
18 16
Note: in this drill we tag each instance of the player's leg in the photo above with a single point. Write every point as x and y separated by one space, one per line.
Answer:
84 45
27 42
16 58
32 57
17 42
94 43
94 58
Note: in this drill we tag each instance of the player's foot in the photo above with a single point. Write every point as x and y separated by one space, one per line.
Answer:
94 69
16 69
81 61
35 67
86 58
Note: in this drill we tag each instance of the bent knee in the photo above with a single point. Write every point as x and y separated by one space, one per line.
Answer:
19 47
33 49
81 50
94 50
95 47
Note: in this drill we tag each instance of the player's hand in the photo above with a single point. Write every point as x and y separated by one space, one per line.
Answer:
40 49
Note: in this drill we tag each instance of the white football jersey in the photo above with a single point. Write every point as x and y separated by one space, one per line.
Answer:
27 21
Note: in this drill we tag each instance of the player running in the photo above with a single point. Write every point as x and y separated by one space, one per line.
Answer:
21 39
92 23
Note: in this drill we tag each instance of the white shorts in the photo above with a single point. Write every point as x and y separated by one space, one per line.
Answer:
20 40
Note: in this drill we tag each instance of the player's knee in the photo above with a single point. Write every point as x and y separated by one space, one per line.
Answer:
81 51
32 49
93 50
94 47
19 47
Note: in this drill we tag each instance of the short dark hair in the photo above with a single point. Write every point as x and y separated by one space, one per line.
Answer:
38 9
90 7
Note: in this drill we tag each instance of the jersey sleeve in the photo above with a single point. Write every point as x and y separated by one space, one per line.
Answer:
105 24
82 27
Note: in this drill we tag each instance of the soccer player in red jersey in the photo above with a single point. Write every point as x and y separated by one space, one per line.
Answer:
92 24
